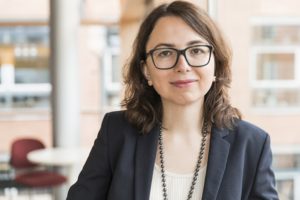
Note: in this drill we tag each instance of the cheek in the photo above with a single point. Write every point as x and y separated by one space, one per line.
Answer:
211 69
160 82
159 77
206 74
206 78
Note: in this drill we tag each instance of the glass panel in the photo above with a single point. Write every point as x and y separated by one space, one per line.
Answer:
275 98
115 69
26 49
0 70
21 34
275 66
30 52
113 38
24 101
286 161
31 101
113 100
32 70
2 101
276 35
285 189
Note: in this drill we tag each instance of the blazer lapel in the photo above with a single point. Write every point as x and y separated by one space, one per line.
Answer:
145 158
217 159
144 163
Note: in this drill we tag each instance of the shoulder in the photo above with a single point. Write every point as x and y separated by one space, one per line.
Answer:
245 133
249 129
117 124
121 137
116 118
118 115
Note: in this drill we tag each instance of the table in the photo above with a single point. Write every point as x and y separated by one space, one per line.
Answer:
70 159
61 157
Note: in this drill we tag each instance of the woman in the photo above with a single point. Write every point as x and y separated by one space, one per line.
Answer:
179 137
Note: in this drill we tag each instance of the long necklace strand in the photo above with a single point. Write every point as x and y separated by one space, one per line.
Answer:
198 164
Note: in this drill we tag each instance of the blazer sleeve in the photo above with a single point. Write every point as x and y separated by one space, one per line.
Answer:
95 178
264 183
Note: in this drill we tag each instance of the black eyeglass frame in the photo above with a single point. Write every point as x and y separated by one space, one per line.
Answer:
179 52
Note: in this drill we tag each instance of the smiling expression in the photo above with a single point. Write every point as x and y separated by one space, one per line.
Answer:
182 84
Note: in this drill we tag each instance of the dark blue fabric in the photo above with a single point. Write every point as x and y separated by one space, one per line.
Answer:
121 162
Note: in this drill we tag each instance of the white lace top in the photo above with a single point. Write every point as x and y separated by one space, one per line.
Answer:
178 185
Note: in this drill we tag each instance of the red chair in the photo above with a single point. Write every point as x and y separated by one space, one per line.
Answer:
37 178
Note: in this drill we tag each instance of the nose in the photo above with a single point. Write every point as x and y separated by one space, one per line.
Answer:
182 65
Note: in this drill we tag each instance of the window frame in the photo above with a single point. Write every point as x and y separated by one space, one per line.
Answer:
110 86
8 87
291 174
255 50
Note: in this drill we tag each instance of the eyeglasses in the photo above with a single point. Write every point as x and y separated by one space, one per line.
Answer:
167 58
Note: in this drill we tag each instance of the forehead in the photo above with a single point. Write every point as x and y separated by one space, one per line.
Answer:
172 30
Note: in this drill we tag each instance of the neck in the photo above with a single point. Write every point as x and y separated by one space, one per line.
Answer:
183 119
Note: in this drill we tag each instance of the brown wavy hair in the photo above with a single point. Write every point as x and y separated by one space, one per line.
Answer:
143 104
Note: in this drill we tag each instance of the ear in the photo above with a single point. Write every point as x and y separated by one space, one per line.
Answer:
145 70
214 79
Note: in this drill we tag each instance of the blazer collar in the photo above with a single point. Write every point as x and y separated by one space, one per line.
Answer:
145 159
144 163
216 164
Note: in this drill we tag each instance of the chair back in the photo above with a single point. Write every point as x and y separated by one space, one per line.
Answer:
19 150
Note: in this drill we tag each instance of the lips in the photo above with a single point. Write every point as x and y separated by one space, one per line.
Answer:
183 83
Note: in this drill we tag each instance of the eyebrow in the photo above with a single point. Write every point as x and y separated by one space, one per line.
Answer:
196 42
193 42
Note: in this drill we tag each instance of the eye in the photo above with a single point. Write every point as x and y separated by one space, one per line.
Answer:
165 53
196 51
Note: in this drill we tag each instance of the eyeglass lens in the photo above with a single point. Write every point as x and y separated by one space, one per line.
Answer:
196 56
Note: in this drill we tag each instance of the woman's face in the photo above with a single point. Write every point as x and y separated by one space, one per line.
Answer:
173 32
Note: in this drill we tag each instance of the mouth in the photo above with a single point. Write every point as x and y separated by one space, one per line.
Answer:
183 83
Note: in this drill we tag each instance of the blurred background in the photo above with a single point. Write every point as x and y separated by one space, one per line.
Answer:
36 66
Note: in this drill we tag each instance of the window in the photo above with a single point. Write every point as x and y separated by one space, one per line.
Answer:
111 69
287 184
275 64
286 165
24 67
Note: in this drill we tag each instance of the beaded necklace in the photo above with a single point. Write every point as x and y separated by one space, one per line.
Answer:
198 164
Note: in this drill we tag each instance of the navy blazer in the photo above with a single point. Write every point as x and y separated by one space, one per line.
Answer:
121 162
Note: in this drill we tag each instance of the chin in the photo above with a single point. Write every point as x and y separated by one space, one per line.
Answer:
183 99
187 101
